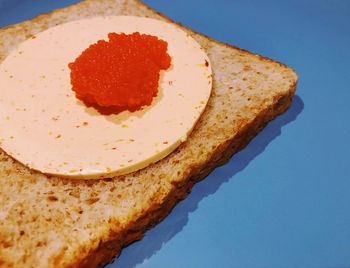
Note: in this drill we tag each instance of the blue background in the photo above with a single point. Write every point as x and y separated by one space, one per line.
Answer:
284 200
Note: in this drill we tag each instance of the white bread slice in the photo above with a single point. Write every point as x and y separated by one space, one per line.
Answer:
53 222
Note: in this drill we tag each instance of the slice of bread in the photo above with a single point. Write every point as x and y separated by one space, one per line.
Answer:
53 222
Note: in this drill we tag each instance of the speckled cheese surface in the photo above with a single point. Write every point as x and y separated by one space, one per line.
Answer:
44 126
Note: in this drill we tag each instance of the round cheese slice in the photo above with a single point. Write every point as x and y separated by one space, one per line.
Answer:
45 127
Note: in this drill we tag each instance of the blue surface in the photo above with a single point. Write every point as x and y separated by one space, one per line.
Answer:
284 200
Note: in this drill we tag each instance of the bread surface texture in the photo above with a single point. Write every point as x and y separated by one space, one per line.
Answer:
53 222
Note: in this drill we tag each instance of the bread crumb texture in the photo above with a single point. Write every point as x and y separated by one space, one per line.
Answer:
53 222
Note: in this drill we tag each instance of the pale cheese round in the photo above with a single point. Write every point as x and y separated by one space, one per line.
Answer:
45 127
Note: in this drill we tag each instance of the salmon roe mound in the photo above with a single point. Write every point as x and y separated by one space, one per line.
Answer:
122 72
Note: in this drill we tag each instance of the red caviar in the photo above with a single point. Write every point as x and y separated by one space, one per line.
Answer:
121 73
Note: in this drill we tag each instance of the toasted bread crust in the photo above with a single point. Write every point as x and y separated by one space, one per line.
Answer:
53 222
